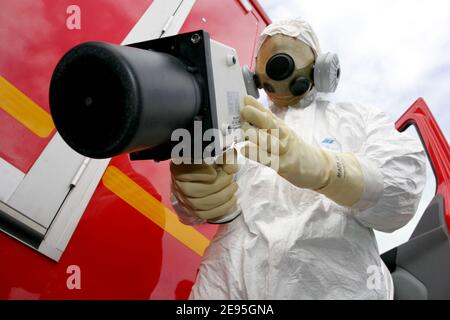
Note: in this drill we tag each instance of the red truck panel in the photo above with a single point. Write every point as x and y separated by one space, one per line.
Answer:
34 37
229 23
120 251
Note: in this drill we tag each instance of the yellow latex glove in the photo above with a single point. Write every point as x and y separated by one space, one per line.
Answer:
206 191
336 175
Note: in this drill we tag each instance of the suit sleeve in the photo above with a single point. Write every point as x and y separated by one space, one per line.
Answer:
393 166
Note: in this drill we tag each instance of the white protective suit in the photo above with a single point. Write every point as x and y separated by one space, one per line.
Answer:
293 243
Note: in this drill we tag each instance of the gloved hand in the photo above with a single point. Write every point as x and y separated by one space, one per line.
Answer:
206 191
336 175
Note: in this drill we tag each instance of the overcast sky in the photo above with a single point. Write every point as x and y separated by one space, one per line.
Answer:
391 52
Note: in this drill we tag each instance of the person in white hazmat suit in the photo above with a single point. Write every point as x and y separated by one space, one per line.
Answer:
306 229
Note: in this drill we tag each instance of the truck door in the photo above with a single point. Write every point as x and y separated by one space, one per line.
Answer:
420 264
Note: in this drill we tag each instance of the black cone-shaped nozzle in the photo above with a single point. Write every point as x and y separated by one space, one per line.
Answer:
107 99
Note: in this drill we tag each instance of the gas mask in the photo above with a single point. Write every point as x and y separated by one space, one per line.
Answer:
288 70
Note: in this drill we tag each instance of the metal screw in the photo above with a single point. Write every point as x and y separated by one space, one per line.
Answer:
231 60
226 128
195 38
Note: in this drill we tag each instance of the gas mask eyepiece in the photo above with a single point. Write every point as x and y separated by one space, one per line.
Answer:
280 66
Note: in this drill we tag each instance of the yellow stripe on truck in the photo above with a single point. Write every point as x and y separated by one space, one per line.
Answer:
25 110
129 191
